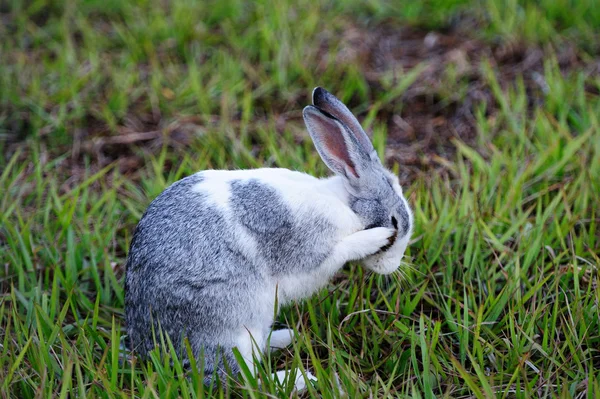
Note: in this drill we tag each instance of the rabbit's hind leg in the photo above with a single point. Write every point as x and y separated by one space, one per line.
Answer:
300 383
253 341
279 340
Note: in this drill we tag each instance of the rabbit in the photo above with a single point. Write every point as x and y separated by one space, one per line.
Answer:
217 251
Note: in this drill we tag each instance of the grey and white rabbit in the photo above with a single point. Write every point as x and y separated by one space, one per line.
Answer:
216 251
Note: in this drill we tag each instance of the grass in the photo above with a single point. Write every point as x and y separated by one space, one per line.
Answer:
503 295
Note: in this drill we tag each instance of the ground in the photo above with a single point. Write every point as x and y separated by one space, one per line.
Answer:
486 110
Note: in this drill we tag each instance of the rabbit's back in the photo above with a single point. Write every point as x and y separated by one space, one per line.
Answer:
182 262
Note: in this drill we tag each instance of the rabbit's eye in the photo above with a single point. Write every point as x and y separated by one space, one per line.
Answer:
394 222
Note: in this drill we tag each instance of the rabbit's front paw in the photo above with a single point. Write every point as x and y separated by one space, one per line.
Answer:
281 338
365 243
377 238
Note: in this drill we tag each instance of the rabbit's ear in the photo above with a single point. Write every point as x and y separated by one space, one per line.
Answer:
329 103
338 148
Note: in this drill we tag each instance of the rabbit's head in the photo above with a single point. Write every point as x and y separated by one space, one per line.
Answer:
374 193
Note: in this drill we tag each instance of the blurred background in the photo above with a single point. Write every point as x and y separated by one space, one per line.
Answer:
486 109
108 80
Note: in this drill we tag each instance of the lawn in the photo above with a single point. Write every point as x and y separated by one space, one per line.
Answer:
488 111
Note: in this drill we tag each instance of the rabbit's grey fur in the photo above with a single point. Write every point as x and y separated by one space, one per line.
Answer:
216 251
284 239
